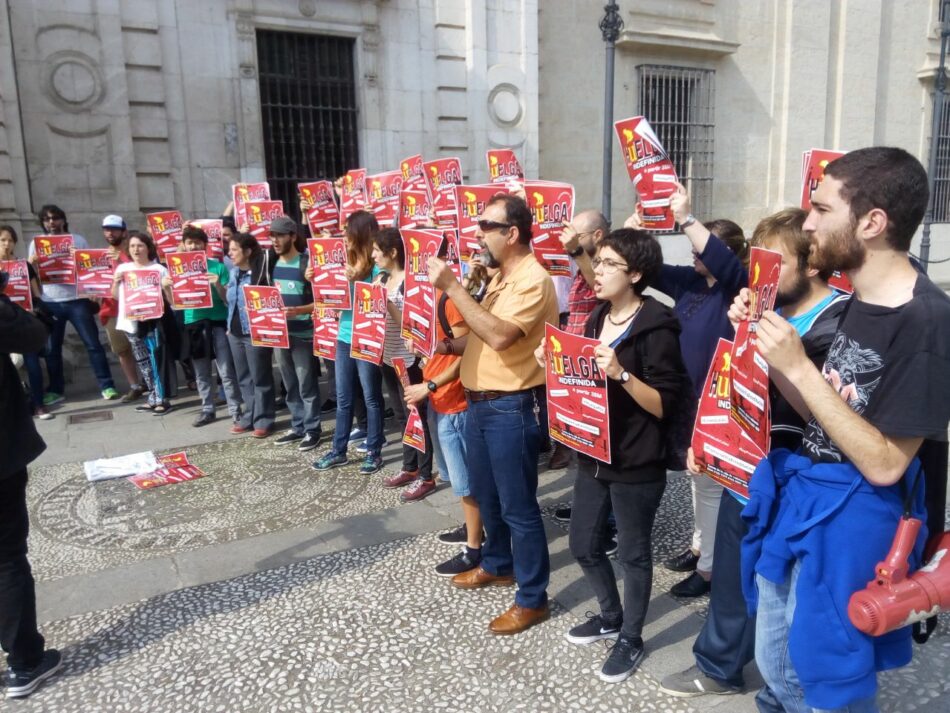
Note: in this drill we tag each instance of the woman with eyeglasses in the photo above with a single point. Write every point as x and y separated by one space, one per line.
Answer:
639 353
703 294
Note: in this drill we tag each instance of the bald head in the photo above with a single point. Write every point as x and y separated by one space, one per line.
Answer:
591 227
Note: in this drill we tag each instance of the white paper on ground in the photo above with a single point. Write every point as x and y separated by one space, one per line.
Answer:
120 466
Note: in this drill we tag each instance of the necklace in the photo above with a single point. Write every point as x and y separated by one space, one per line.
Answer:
624 321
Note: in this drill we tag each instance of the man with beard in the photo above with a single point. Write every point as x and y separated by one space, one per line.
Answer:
116 233
727 640
819 522
500 377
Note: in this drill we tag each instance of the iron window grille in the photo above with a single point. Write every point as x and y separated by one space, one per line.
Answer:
941 177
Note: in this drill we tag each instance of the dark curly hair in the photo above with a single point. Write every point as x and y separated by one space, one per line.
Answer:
640 250
195 233
517 214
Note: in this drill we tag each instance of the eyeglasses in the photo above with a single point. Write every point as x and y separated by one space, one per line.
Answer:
486 225
608 266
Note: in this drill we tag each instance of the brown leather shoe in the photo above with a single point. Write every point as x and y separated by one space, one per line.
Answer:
519 618
477 578
560 458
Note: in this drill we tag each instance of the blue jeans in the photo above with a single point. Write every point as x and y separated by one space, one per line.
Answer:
298 371
448 447
502 436
783 692
79 314
348 371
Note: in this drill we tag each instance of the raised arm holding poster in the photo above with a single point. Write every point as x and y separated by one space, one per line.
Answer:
369 322
650 169
442 175
352 194
414 436
331 289
382 191
260 214
503 166
470 202
165 229
95 269
214 229
57 265
189 276
577 394
241 193
418 310
142 294
319 203
18 283
265 315
326 329
551 205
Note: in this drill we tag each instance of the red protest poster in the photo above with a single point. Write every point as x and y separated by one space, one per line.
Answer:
142 293
764 268
168 474
418 310
190 286
470 202
326 329
413 173
95 269
414 436
369 322
242 193
415 207
319 203
577 394
442 175
352 194
382 190
450 247
331 289
18 283
551 205
57 266
840 281
650 169
265 314
260 214
177 458
214 229
814 162
503 166
165 229
749 395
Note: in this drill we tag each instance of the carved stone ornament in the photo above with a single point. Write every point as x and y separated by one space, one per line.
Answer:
73 81
505 105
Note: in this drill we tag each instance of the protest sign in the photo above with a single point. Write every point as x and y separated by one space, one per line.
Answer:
413 173
242 193
414 435
450 252
189 275
214 229
95 269
352 194
56 266
142 294
318 202
503 166
260 214
18 283
382 194
418 310
165 229
326 329
577 394
369 322
551 204
415 207
174 468
266 317
650 169
442 175
814 162
331 289
470 203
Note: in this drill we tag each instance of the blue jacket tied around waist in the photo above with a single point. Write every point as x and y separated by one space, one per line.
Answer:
839 526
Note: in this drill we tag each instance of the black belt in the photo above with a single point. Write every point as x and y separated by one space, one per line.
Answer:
476 396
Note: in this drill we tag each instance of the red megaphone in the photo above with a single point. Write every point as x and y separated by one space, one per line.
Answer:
892 599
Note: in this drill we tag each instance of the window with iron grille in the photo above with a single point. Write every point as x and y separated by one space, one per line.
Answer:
678 103
308 110
941 178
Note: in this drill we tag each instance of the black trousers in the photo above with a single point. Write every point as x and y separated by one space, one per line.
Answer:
19 636
727 641
412 460
634 506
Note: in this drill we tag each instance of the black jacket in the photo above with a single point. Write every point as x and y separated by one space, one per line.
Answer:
637 438
21 333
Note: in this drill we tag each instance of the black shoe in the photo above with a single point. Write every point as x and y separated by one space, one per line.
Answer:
685 561
204 418
329 406
20 684
388 414
625 657
693 586
462 562
280 404
288 438
309 442
594 629
458 536
610 544
563 514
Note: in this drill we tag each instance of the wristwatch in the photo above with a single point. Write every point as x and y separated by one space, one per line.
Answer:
624 376
577 252
690 219
431 386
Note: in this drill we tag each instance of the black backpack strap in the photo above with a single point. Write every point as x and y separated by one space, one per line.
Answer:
443 318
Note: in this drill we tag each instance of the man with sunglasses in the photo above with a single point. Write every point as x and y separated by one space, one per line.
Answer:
500 376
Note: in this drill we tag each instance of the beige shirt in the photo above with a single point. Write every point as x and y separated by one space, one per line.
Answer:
525 298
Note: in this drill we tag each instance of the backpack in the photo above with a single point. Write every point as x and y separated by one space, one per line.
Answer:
443 318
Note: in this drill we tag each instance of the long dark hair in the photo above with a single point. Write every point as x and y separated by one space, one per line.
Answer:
389 239
246 241
732 235
361 230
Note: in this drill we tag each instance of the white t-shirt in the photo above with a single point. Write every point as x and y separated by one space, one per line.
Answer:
121 322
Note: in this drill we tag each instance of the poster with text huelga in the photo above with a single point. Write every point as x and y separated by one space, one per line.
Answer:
242 193
418 309
650 169
413 173
814 163
369 322
56 265
551 204
442 175
331 289
95 269
165 229
352 194
319 205
214 229
142 294
415 207
382 191
503 166
18 283
265 315
470 202
189 276
451 254
577 394
326 329
414 436
260 214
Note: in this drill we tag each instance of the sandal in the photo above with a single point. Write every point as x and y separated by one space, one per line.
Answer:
144 408
162 409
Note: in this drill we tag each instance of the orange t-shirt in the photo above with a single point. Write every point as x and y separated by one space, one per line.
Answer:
449 398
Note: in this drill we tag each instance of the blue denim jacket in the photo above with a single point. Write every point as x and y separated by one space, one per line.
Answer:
236 298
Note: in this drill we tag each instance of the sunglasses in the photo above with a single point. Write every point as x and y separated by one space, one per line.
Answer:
486 225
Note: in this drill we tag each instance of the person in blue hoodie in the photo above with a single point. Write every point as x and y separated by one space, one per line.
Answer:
822 518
